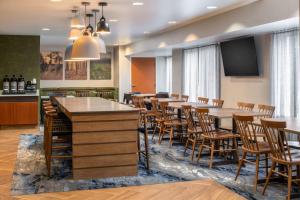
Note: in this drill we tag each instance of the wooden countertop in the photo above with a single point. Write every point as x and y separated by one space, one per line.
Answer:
91 105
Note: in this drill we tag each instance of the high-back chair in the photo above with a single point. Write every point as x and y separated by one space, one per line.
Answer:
266 109
280 151
185 98
218 102
212 136
193 131
245 106
203 100
251 145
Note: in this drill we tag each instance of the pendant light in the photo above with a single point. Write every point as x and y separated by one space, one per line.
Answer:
74 34
90 27
103 26
85 47
97 36
77 20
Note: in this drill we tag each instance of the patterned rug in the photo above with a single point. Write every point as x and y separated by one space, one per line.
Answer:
167 165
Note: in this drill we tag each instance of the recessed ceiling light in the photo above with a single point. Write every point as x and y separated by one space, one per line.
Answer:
55 0
172 22
113 20
146 32
211 7
45 29
137 3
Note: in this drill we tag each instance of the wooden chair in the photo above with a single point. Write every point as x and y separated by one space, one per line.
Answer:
56 127
245 106
218 102
203 100
82 93
211 137
185 98
280 152
170 123
266 109
251 145
175 96
193 131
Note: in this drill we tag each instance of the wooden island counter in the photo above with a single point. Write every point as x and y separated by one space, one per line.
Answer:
104 137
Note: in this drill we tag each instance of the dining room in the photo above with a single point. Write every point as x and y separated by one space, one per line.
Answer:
149 99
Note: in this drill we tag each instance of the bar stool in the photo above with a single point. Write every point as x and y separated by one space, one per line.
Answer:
57 136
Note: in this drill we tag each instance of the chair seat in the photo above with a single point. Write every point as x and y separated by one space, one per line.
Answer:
175 122
219 135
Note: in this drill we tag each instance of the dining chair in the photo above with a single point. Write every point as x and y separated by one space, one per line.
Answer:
211 137
251 145
280 152
218 103
171 123
267 110
82 93
185 98
245 106
203 100
175 96
193 131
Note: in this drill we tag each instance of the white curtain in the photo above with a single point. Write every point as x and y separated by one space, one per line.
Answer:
209 68
285 74
201 72
164 74
190 73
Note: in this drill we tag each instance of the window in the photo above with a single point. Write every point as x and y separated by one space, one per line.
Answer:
164 74
201 75
285 74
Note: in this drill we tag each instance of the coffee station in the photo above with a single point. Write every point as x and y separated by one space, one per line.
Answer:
18 101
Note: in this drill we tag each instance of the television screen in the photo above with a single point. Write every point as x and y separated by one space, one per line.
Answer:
239 57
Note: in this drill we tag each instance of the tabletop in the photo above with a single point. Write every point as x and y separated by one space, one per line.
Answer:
177 105
165 100
228 112
292 124
91 105
144 95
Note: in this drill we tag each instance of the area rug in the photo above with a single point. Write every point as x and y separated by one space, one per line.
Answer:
167 165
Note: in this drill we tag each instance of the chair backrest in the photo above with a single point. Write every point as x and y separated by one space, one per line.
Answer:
245 106
187 111
206 122
82 93
247 131
266 109
176 96
277 140
164 106
218 102
135 101
154 105
185 98
203 100
141 102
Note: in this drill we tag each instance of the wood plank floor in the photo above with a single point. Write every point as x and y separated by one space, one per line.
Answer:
202 189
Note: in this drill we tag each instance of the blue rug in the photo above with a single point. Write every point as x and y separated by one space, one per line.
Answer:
167 165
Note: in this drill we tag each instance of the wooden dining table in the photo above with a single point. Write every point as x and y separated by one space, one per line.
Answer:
178 105
146 100
292 124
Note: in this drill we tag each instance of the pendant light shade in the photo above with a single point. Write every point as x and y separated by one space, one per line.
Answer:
100 42
102 25
68 54
77 21
74 34
86 48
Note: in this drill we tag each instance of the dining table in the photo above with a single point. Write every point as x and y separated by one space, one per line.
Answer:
147 100
292 124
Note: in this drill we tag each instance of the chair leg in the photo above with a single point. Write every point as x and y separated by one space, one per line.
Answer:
154 131
289 181
266 164
269 176
212 149
200 150
193 150
256 172
240 165
186 146
171 136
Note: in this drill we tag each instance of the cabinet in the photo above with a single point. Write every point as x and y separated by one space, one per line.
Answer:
19 111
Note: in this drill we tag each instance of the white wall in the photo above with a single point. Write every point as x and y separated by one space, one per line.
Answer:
250 89
76 83
124 73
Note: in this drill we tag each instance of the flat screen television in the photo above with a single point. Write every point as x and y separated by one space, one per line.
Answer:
239 57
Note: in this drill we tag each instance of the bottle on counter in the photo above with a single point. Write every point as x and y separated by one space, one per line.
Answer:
21 85
6 85
13 85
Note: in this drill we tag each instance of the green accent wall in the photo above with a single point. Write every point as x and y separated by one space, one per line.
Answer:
20 55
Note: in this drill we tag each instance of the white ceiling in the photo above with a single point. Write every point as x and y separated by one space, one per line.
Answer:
28 17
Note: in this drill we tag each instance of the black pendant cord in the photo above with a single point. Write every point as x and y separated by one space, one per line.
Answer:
95 19
85 15
102 12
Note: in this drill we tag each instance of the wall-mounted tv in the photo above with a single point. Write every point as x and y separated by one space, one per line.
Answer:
239 57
